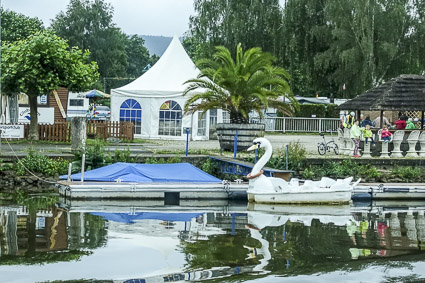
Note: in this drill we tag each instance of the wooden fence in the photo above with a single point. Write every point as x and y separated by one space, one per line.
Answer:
61 131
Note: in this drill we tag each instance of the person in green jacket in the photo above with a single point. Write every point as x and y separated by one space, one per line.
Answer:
355 134
410 125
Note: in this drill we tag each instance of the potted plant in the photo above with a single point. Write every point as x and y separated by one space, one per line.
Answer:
248 83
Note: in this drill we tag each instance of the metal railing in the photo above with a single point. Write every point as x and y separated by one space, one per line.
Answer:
296 124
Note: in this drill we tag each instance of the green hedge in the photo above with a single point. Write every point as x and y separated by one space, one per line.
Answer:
332 111
320 110
307 110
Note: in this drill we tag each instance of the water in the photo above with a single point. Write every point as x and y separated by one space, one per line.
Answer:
95 241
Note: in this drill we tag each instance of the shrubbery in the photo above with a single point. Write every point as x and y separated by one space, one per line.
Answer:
38 163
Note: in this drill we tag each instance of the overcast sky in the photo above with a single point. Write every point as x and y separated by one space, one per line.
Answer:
144 17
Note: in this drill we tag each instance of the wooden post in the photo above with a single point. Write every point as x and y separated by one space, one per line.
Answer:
382 118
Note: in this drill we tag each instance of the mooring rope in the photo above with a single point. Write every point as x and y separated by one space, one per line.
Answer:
19 160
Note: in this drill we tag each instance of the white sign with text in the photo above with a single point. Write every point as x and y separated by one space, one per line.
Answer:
45 115
12 131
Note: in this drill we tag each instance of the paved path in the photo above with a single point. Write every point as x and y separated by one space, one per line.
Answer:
151 146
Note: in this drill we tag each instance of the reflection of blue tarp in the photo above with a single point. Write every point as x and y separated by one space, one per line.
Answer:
147 173
130 218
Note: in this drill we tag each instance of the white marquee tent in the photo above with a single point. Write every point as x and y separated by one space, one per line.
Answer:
154 101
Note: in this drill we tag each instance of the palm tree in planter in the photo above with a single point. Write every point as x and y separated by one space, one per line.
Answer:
250 83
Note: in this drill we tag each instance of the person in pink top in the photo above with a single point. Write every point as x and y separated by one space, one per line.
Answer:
385 134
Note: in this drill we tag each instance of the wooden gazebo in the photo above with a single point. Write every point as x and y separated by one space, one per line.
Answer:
404 93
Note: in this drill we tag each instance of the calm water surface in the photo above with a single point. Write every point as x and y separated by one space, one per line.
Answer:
143 241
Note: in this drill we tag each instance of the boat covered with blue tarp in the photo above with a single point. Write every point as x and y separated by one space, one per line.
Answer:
146 173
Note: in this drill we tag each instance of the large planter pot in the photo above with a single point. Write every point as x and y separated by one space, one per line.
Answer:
246 133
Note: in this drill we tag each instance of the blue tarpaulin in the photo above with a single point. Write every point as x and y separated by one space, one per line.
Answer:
146 173
130 218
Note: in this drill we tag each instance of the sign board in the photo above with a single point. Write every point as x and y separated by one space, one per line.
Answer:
12 131
45 115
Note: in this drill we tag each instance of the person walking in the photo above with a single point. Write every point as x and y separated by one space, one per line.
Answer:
355 134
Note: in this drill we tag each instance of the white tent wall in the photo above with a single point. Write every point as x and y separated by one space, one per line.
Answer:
150 117
161 83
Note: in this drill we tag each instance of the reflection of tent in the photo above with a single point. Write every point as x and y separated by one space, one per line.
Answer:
94 93
154 101
130 218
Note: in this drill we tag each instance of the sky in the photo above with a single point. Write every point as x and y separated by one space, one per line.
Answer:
143 17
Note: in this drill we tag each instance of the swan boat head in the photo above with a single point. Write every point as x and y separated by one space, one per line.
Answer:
257 181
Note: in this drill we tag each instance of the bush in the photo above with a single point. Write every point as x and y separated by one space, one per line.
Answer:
296 158
37 163
332 111
307 110
407 173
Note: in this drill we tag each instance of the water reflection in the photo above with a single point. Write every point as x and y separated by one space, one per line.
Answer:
120 242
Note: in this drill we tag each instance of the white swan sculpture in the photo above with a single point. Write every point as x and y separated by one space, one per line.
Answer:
276 190
257 180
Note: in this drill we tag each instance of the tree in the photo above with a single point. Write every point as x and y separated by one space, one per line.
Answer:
255 23
88 25
41 64
370 42
15 26
138 55
248 83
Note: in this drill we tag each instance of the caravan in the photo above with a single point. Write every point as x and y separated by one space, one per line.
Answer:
78 105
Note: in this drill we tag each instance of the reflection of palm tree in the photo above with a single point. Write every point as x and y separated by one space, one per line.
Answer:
248 83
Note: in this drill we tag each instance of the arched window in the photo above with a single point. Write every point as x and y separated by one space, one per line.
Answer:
170 119
131 111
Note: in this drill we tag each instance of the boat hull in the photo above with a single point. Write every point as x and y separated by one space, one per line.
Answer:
302 197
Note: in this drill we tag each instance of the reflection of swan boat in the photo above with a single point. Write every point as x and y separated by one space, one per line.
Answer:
261 216
264 189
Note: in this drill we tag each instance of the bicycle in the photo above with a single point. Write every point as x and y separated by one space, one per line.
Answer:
324 146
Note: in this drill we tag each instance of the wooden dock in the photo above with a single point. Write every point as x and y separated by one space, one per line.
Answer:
174 192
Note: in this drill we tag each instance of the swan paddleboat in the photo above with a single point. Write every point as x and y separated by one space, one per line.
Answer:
264 189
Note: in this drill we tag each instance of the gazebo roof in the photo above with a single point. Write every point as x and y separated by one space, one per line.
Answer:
406 92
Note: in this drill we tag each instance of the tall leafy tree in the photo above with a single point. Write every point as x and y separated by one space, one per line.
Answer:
41 64
369 42
250 82
88 25
254 23
15 26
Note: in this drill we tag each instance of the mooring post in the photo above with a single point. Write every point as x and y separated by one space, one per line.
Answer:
187 141
235 145
287 155
256 151
69 171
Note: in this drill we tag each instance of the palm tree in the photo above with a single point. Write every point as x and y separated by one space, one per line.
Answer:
249 83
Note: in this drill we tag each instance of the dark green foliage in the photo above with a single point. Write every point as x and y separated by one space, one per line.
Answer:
88 24
15 26
323 44
332 111
37 163
220 22
408 174
309 110
296 158
344 169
